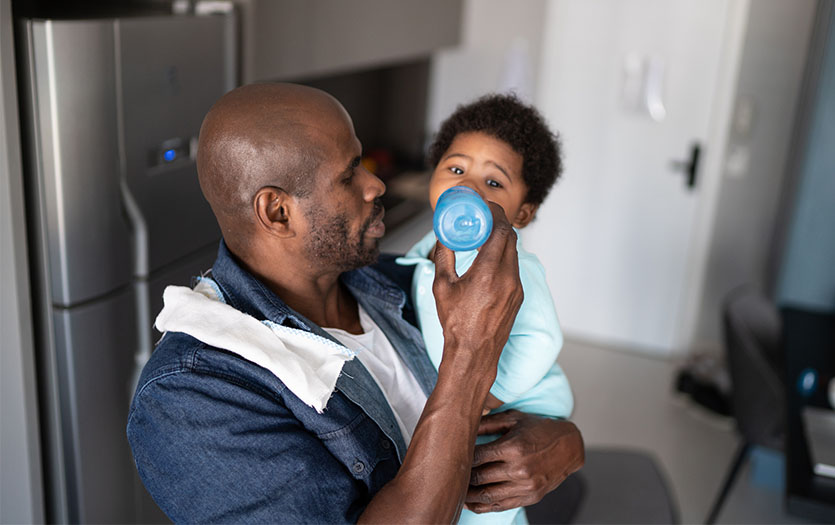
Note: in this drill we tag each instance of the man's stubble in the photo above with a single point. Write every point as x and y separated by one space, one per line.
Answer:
331 244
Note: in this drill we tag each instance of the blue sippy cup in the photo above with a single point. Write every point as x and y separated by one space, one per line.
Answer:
462 219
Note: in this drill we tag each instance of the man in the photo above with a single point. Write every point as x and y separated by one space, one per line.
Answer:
218 438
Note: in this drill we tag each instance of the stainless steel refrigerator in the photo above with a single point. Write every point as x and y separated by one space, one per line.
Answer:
113 108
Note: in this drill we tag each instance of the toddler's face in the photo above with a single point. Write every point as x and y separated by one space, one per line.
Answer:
489 166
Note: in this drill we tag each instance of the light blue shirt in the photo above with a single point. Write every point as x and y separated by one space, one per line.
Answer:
528 378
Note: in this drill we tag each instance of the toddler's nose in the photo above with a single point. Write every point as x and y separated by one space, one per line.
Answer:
473 186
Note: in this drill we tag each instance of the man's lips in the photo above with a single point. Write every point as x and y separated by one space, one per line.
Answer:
377 228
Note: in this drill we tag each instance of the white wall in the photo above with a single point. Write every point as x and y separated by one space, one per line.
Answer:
21 493
500 49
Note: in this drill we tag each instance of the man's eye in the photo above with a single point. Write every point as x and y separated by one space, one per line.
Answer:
456 170
493 184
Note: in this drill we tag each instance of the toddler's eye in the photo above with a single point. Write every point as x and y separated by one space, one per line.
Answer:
493 184
456 170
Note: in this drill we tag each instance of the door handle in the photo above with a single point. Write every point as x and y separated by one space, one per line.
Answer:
689 167
654 88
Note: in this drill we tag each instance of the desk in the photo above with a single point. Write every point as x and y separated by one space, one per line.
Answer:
809 342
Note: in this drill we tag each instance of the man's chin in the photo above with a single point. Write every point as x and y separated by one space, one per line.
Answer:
374 255
371 245
367 257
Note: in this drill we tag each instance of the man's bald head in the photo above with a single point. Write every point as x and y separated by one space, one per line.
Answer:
256 136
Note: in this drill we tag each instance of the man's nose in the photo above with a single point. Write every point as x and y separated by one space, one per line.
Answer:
374 187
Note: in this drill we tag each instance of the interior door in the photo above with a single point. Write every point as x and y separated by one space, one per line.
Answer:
630 86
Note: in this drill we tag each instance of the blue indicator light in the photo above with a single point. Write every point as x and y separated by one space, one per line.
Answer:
169 155
807 382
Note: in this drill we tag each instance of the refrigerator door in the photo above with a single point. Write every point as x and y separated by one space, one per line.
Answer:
74 135
94 348
171 71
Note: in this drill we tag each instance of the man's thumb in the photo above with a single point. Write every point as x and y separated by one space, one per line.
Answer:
444 262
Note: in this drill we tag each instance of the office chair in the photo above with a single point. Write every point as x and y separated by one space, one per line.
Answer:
752 336
614 486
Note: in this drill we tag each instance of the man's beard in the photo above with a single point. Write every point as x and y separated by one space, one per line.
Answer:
330 243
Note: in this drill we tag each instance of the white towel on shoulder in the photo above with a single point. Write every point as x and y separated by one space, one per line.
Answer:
306 363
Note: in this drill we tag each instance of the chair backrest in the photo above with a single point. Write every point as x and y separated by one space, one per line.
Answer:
753 345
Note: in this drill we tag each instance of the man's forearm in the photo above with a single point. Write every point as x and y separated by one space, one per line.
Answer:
432 482
476 311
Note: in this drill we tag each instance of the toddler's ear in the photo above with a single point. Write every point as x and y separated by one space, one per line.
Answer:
525 215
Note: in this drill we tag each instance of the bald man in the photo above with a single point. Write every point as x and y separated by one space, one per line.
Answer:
220 436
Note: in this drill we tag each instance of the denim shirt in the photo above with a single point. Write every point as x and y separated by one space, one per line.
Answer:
217 438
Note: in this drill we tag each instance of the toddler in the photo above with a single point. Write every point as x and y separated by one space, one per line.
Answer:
502 149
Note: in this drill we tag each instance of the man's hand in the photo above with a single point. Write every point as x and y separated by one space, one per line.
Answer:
533 456
477 310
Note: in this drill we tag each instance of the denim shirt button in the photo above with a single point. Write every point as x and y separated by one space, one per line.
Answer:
359 466
385 444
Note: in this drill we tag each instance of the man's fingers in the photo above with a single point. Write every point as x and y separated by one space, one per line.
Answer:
532 456
498 423
500 496
488 473
505 504
444 263
494 248
488 453
510 256
499 217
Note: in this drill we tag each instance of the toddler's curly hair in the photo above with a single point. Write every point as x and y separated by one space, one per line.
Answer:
521 126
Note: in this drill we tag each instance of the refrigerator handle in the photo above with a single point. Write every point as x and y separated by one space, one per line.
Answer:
140 234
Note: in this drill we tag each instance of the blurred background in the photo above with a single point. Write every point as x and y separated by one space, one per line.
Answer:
689 246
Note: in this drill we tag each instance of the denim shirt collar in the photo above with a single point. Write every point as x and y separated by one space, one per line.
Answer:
383 301
249 295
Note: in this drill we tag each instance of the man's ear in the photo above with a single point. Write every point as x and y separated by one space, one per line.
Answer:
525 215
274 209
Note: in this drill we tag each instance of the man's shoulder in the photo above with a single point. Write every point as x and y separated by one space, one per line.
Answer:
174 353
182 358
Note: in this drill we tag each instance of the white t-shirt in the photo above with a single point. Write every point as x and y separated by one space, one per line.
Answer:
397 382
